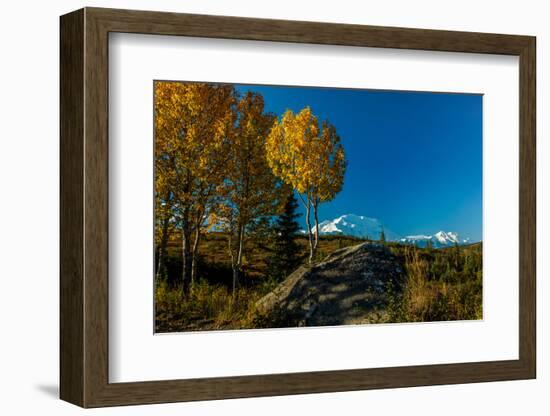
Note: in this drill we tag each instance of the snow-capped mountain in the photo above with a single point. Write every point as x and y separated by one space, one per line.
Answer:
440 239
356 226
364 227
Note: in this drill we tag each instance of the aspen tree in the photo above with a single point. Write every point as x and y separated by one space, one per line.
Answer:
311 159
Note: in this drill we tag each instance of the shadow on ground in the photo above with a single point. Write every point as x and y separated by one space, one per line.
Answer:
51 390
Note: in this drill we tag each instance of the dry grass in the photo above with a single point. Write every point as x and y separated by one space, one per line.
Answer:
206 307
440 285
427 296
213 251
210 304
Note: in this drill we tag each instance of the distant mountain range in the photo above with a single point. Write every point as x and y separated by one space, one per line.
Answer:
364 227
437 240
356 226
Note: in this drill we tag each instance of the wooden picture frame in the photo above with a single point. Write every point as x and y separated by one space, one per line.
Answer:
84 207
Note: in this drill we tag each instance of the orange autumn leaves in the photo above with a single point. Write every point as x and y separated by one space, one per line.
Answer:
221 160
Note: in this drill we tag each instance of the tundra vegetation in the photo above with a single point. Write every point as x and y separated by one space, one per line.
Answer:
229 178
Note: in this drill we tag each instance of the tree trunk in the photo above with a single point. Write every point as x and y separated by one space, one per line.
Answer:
186 258
232 255
316 218
309 233
162 247
235 280
237 261
194 251
186 239
240 252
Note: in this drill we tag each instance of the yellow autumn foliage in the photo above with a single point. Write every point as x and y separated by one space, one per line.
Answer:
306 156
192 124
310 159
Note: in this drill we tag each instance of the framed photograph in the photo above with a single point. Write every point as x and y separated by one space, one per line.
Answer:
255 207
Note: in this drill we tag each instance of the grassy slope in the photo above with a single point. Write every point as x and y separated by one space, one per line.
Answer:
213 252
443 284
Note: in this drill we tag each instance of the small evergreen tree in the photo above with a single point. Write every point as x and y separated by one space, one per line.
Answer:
382 236
457 255
285 257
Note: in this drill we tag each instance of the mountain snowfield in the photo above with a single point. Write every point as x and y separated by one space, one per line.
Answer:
355 226
439 239
364 227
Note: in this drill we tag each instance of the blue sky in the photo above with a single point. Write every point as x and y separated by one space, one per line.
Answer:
414 158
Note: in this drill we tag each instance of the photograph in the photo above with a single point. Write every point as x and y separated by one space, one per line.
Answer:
279 206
